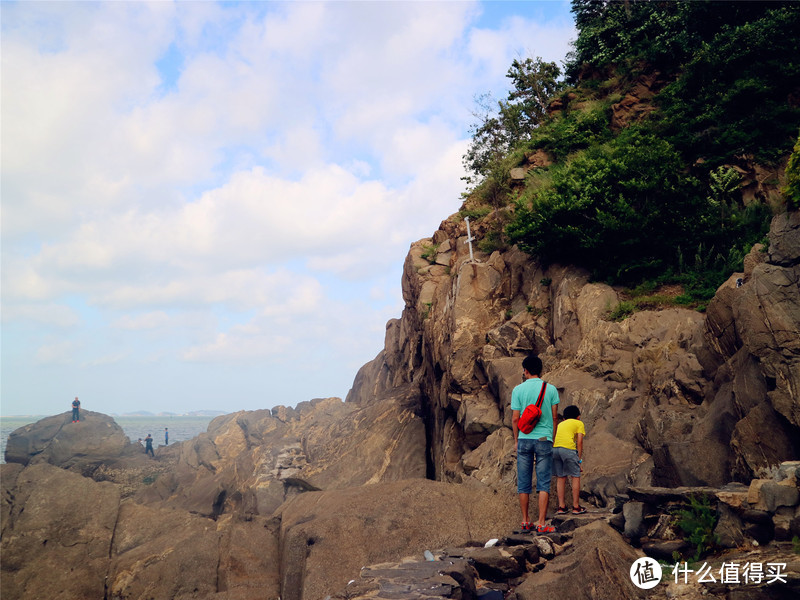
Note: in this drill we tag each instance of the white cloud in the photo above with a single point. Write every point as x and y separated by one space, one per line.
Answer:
151 320
253 209
49 313
56 353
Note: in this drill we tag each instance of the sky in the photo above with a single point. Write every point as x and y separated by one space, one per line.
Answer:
207 206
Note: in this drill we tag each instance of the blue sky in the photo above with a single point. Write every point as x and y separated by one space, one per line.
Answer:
207 205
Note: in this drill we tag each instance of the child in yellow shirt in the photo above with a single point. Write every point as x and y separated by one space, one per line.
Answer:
568 459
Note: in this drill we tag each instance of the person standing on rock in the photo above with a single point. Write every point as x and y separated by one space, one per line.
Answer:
535 447
76 410
148 445
568 459
166 436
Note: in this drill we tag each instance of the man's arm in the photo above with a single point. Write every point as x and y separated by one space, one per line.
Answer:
554 408
514 420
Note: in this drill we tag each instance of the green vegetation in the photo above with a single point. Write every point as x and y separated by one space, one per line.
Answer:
430 251
656 198
697 520
622 310
792 189
495 133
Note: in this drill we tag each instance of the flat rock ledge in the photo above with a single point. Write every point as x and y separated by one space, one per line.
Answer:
591 555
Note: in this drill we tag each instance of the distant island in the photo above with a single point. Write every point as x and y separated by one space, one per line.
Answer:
194 413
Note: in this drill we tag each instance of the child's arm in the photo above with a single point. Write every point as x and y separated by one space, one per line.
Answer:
579 443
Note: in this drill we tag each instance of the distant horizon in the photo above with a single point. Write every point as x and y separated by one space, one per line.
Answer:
197 413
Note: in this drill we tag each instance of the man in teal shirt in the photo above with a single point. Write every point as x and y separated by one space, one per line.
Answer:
535 447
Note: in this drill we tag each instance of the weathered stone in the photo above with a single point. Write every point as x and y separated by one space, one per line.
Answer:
56 543
497 563
782 523
774 495
788 472
784 246
729 529
433 515
479 416
768 495
545 546
415 579
665 550
80 447
517 173
634 519
600 560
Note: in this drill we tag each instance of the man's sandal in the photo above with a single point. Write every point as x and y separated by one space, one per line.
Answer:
545 529
578 510
562 510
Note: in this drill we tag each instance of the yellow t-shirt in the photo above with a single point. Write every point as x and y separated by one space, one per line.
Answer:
566 432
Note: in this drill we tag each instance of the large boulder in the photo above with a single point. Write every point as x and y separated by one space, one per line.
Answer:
57 533
82 446
326 537
597 567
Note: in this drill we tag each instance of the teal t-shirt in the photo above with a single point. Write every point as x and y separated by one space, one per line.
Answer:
527 393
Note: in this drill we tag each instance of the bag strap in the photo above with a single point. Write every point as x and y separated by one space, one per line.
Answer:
540 399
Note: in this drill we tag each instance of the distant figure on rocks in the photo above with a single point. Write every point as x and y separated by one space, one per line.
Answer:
76 410
568 459
166 436
535 447
148 445
141 443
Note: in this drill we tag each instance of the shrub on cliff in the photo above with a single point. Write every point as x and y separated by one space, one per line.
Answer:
619 208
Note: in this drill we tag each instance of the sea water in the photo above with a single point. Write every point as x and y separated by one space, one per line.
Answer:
181 428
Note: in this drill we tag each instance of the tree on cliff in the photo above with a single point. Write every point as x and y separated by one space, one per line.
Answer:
535 82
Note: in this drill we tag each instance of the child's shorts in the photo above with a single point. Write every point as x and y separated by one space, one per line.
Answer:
565 462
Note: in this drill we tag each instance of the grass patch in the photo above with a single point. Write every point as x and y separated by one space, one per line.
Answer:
697 520
430 252
650 295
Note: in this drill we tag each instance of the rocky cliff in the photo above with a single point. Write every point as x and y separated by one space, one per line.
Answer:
293 502
658 390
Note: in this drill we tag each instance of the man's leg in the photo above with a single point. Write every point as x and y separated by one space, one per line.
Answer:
544 498
524 501
544 469
524 476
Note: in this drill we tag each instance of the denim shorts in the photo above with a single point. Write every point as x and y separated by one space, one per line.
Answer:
565 462
529 452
